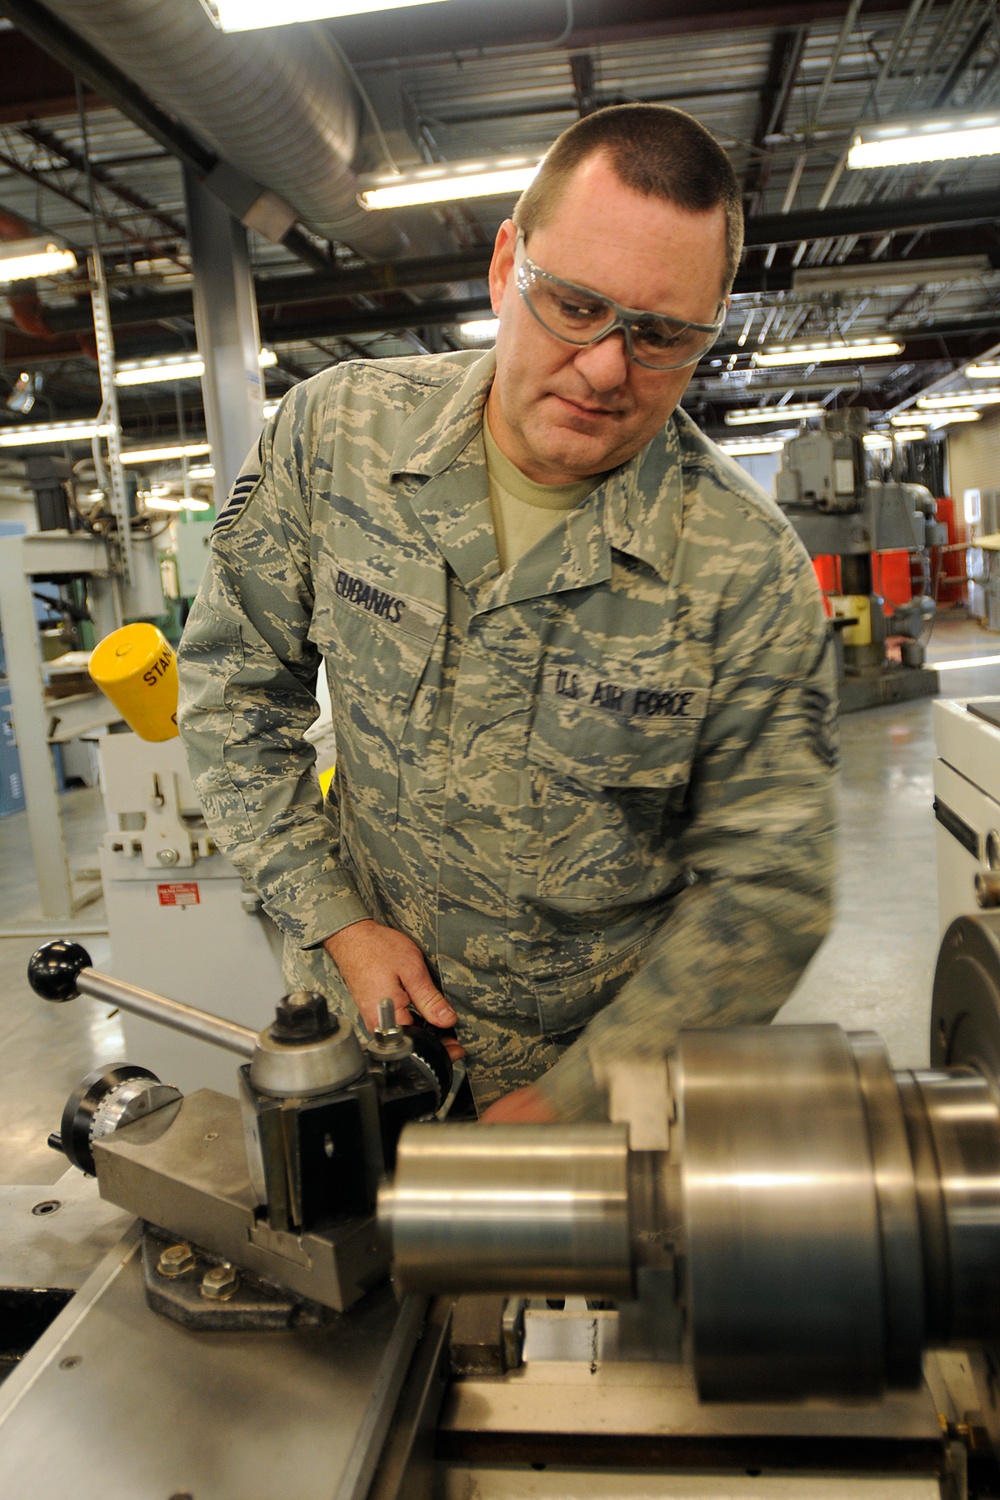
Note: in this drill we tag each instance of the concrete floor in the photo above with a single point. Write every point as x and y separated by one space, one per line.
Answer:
874 971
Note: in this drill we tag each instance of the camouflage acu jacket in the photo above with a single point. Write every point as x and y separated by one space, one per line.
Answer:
596 790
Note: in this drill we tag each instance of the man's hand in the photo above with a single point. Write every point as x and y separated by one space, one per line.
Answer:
523 1107
379 963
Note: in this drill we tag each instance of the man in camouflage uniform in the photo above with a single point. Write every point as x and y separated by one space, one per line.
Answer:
584 762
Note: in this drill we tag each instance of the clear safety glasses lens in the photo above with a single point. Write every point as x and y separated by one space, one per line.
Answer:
579 316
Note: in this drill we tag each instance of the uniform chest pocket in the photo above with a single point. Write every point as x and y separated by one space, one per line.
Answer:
377 646
609 795
377 639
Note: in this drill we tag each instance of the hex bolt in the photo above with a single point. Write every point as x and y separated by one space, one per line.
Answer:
303 1016
167 856
220 1283
176 1260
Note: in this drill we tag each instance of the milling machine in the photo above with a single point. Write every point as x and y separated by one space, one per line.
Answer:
729 1288
823 488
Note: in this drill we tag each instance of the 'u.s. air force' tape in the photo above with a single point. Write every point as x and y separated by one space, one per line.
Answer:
238 497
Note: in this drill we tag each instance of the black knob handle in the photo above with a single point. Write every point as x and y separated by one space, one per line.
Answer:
54 968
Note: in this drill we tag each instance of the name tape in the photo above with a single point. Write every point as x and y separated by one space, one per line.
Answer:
627 702
379 603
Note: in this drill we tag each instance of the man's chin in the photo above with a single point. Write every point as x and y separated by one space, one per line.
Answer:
577 459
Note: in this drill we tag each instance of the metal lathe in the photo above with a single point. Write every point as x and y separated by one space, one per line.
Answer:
775 1270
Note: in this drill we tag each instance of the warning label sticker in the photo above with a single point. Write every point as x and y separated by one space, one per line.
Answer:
179 893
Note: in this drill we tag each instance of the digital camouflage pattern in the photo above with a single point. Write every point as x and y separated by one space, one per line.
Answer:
595 790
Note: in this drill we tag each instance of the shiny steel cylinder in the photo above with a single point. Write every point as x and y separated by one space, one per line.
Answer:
960 1192
784 1257
511 1208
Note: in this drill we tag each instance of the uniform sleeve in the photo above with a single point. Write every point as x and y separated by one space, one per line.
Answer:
759 846
248 673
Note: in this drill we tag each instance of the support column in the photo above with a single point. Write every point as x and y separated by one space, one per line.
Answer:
46 554
225 314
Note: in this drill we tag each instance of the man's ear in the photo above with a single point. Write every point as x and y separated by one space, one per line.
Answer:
502 263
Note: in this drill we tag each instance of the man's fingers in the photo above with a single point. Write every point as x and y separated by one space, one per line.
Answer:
426 997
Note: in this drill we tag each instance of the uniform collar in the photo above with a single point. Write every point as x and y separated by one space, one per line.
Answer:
437 431
642 500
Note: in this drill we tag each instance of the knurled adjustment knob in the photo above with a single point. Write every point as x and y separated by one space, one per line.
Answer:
303 1016
55 967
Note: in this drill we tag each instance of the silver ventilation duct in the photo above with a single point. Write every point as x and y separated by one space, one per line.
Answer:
277 105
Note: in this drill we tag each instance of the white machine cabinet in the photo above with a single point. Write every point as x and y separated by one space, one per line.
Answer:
966 800
180 920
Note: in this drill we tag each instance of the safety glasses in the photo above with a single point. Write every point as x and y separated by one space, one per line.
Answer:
577 315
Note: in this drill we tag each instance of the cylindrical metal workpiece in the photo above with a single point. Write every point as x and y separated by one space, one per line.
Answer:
783 1254
173 1013
511 1208
964 1121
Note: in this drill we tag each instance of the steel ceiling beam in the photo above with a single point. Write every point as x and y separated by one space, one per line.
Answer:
394 38
873 218
472 266
60 148
923 341
782 70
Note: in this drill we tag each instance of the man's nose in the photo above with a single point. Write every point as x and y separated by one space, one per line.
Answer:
604 365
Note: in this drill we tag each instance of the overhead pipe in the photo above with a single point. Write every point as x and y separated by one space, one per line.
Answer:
277 106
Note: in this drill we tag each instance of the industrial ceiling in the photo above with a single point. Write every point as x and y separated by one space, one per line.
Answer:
102 106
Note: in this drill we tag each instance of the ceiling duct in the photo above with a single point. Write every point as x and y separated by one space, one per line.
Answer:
277 105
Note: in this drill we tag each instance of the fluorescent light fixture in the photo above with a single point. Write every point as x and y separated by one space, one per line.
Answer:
956 399
865 275
910 434
448 181
989 371
160 498
816 354
53 432
251 15
201 471
174 367
933 418
790 413
171 450
877 440
936 419
168 271
150 372
40 256
480 329
753 445
934 138
159 502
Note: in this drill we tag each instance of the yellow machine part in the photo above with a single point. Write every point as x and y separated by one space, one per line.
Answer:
136 668
856 607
